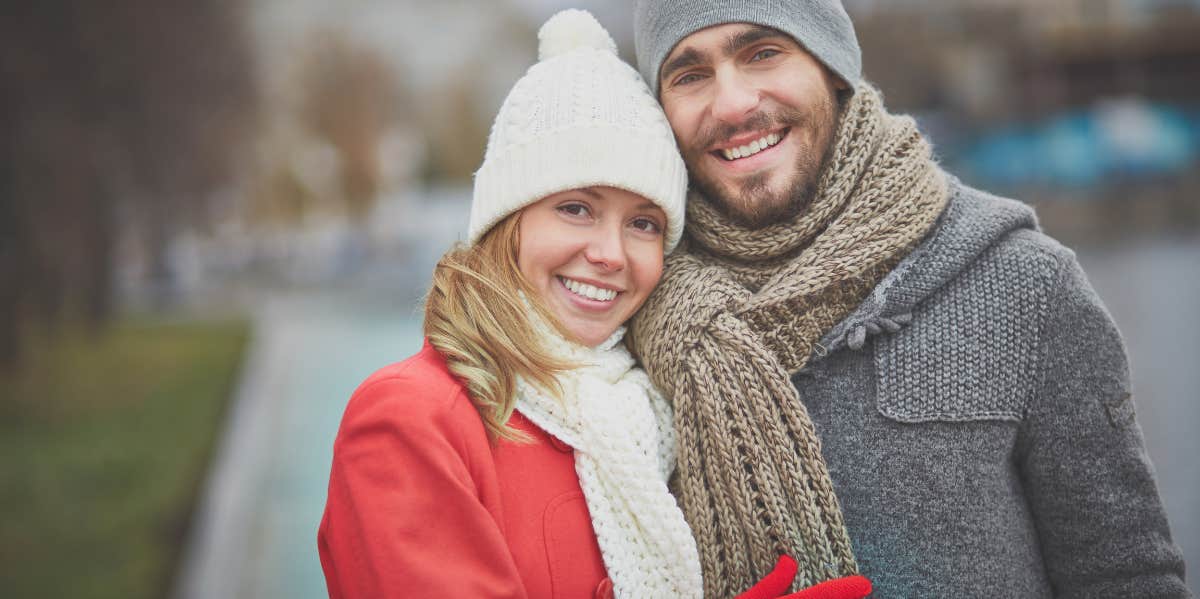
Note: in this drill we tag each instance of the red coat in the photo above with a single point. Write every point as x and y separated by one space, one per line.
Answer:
421 505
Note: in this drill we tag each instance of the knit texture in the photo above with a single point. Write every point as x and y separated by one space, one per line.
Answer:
739 310
821 26
620 428
983 443
578 118
1005 326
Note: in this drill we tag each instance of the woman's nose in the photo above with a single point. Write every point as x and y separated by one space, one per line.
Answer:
606 248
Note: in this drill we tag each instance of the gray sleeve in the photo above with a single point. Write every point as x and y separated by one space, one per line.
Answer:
1088 479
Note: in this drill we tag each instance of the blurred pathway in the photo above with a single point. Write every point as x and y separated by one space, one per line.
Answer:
256 531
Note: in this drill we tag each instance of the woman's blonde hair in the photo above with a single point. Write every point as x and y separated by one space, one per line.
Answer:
476 317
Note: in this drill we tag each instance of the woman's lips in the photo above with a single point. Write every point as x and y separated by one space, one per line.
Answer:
586 303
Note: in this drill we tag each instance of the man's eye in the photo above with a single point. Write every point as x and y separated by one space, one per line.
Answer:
689 78
763 54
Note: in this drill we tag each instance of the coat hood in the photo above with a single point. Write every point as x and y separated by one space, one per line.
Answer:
972 222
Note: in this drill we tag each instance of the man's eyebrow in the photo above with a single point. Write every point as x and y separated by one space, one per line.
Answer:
688 58
756 33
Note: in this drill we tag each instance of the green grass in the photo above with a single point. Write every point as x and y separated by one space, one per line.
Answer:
104 443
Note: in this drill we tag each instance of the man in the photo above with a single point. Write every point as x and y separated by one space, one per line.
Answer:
875 368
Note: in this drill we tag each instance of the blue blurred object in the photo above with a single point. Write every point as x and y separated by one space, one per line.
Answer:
1071 151
1144 139
1114 140
1005 158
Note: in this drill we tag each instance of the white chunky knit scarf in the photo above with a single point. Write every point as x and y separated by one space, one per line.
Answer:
620 428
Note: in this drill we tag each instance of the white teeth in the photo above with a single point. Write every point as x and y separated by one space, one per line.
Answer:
751 148
588 291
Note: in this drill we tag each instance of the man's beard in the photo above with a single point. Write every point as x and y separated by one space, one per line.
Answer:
750 202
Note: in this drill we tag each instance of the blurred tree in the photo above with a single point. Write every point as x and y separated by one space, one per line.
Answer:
349 98
456 123
457 128
134 108
321 152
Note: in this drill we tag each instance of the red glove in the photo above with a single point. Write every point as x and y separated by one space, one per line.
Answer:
848 587
780 579
777 581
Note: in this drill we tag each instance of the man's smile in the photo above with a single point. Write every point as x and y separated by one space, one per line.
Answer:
746 146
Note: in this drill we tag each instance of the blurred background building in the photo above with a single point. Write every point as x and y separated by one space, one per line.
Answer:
297 166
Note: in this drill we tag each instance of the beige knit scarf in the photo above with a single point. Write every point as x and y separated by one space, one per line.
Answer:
738 311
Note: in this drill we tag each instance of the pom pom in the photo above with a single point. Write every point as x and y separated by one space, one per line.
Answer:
572 29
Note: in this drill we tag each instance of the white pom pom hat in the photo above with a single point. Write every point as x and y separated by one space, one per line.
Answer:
580 117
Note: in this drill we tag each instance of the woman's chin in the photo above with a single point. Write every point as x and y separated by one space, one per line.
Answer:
590 335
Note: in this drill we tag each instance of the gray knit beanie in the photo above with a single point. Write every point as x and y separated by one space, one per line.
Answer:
821 26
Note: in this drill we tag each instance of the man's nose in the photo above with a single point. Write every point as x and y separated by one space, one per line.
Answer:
606 247
736 98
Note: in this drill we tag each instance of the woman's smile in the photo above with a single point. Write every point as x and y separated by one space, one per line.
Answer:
594 255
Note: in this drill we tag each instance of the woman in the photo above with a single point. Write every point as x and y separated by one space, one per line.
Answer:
520 453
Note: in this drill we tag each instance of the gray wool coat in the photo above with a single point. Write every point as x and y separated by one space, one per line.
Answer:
976 416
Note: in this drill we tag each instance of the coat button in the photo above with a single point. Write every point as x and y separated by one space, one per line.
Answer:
604 589
558 444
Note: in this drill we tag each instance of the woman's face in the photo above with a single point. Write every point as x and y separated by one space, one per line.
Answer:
593 255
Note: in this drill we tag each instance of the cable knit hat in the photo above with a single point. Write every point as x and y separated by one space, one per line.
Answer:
821 26
579 117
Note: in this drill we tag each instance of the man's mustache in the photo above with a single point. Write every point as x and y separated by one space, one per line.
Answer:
758 121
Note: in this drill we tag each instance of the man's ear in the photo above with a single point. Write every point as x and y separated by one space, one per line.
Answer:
838 82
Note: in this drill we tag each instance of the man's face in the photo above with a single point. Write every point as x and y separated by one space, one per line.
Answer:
754 114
